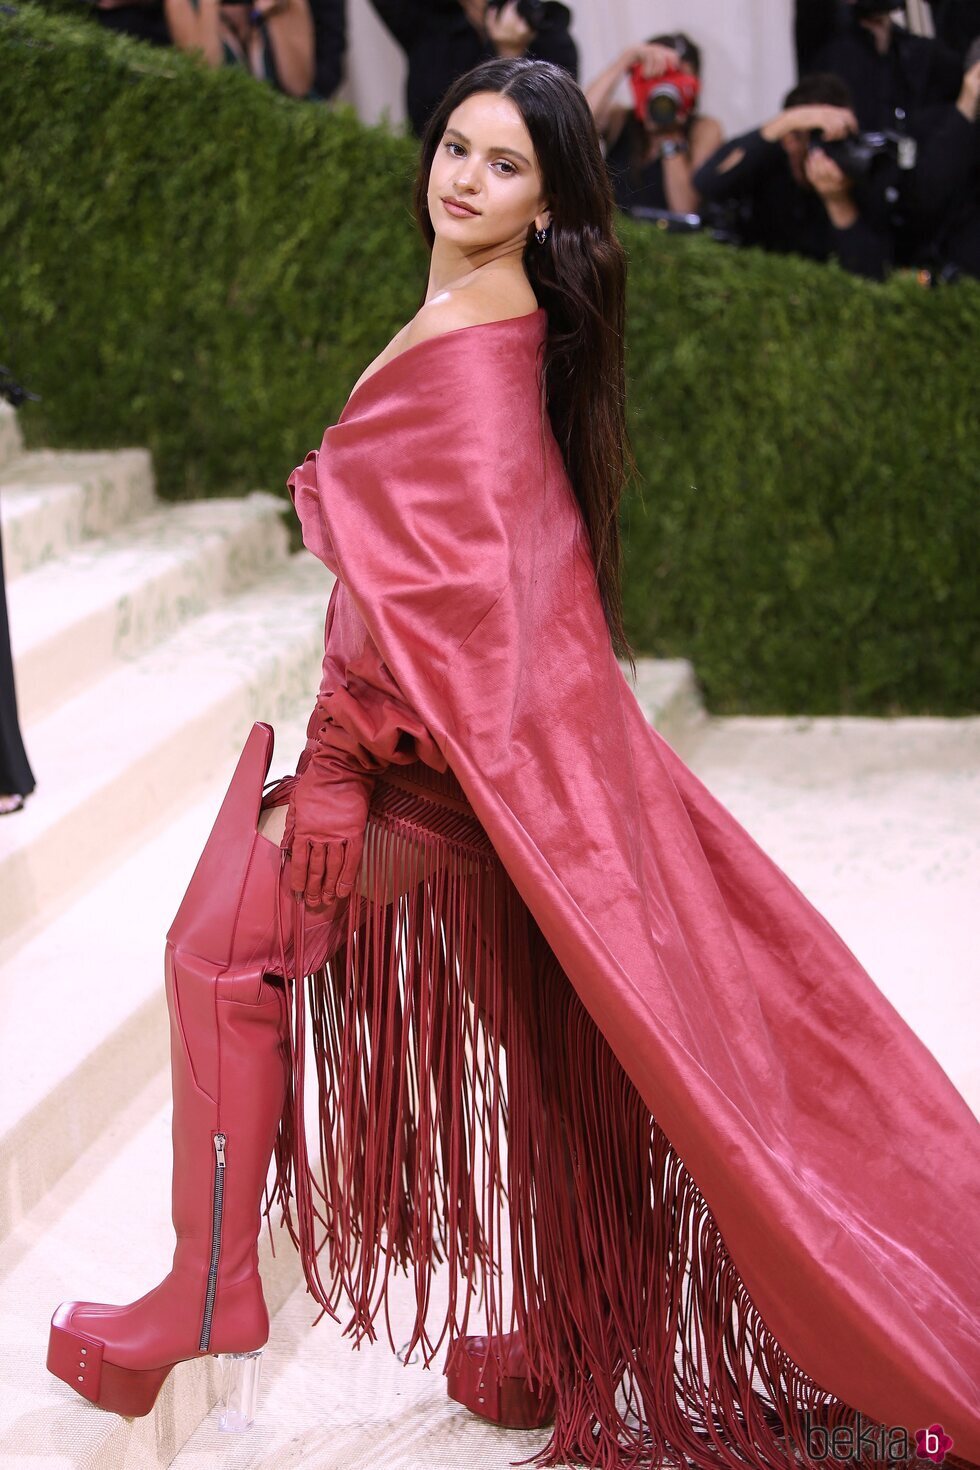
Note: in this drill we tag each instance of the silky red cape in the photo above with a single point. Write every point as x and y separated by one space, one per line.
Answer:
840 1162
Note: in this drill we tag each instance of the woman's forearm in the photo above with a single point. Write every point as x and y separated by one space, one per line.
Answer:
600 92
290 31
194 26
682 197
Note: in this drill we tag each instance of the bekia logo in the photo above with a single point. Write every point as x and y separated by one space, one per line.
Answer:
932 1444
855 1441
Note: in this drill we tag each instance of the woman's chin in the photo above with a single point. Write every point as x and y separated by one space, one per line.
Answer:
458 232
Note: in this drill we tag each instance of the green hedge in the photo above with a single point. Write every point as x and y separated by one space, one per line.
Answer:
191 262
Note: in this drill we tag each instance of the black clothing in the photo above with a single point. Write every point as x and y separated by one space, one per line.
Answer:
915 72
330 25
946 190
648 188
778 214
145 22
16 776
957 23
441 45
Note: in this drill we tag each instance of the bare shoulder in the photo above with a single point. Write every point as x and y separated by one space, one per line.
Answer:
465 307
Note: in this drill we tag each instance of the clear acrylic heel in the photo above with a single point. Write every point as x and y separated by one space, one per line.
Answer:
239 1389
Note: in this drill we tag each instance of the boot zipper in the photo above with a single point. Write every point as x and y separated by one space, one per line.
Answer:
217 1203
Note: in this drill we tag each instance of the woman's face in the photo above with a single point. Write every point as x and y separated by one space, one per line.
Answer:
485 159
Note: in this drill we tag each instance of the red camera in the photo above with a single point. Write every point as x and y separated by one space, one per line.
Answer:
665 100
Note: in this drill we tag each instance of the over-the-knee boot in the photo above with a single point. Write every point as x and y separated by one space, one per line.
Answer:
227 1036
230 1063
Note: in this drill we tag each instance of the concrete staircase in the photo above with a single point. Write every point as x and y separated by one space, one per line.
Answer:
146 640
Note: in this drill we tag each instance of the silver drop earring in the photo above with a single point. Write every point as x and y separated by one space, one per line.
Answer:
541 236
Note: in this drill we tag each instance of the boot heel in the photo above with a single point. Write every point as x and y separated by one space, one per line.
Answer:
239 1389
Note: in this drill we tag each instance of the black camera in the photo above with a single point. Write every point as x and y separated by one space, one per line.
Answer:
858 154
531 12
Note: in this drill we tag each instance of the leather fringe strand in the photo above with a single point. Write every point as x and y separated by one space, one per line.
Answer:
472 1116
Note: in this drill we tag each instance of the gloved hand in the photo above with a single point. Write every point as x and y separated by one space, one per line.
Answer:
361 724
327 813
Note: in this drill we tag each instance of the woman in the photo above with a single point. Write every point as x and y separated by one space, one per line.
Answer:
565 1014
652 164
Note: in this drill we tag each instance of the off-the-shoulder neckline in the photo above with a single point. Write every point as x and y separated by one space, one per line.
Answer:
502 321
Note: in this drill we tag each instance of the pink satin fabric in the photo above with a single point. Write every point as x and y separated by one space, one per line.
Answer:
841 1163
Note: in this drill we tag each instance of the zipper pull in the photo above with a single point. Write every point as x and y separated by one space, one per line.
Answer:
219 1149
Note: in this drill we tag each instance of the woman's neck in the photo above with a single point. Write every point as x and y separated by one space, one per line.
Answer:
448 268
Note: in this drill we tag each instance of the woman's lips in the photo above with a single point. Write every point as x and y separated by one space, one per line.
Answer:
459 211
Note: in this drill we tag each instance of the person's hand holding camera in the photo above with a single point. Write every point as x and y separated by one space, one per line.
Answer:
830 181
652 58
833 122
834 187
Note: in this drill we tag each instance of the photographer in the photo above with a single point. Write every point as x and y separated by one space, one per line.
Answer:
791 195
654 147
891 74
445 38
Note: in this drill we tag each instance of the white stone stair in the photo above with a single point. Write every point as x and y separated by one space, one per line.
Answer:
84 997
112 597
115 761
147 639
11 439
51 500
668 693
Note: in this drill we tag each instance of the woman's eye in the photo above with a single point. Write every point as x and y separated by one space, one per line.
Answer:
455 145
508 166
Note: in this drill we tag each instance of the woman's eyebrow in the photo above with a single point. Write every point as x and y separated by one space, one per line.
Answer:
513 151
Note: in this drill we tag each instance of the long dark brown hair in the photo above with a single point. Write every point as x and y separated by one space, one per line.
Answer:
579 277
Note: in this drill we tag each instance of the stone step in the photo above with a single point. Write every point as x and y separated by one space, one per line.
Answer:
103 1233
11 440
668 693
85 998
114 596
324 1404
118 761
53 499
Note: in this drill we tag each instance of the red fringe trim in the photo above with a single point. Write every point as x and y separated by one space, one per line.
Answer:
471 1113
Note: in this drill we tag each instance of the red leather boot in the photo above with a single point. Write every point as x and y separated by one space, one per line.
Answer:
474 1380
228 1072
230 1059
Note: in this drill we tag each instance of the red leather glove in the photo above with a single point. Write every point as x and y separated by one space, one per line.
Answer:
360 725
327 812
